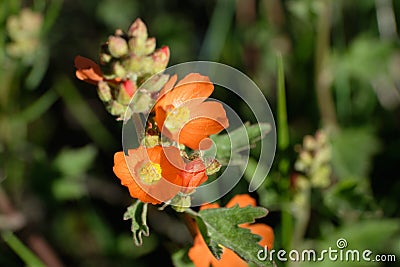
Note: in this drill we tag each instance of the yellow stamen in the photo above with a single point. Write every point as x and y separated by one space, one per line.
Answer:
150 173
176 118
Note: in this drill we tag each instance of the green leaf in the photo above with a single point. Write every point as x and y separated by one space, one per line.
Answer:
137 212
72 162
239 139
219 228
37 108
67 189
352 151
30 259
180 259
38 70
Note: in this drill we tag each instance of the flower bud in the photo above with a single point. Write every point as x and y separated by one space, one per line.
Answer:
26 25
133 64
119 70
151 140
129 87
155 83
104 91
160 59
138 29
118 46
137 46
150 46
142 102
123 97
320 178
213 167
116 109
180 203
119 32
105 58
142 47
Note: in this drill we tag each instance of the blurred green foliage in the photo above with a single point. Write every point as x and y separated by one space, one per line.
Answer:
342 67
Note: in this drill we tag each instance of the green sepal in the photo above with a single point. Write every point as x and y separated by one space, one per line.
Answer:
220 228
137 212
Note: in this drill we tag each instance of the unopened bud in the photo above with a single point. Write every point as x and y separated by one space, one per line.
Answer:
119 32
309 143
118 46
105 58
160 59
142 102
116 109
180 203
24 26
306 158
137 46
320 179
142 47
156 83
104 91
138 29
213 167
129 87
133 64
123 97
151 140
119 70
150 46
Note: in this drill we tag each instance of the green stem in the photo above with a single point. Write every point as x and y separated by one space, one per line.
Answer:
21 250
283 144
323 77
283 129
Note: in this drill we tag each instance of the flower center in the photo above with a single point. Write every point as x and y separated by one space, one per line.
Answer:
150 173
176 118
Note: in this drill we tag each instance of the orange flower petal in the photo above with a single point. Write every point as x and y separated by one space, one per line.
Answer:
137 192
266 233
242 200
229 259
121 169
191 87
87 70
167 187
193 175
198 129
207 118
209 206
199 253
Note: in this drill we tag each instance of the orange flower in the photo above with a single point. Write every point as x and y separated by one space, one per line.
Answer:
193 175
153 175
87 70
182 115
201 255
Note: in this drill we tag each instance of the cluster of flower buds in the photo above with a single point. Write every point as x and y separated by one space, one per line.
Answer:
24 32
127 60
314 159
